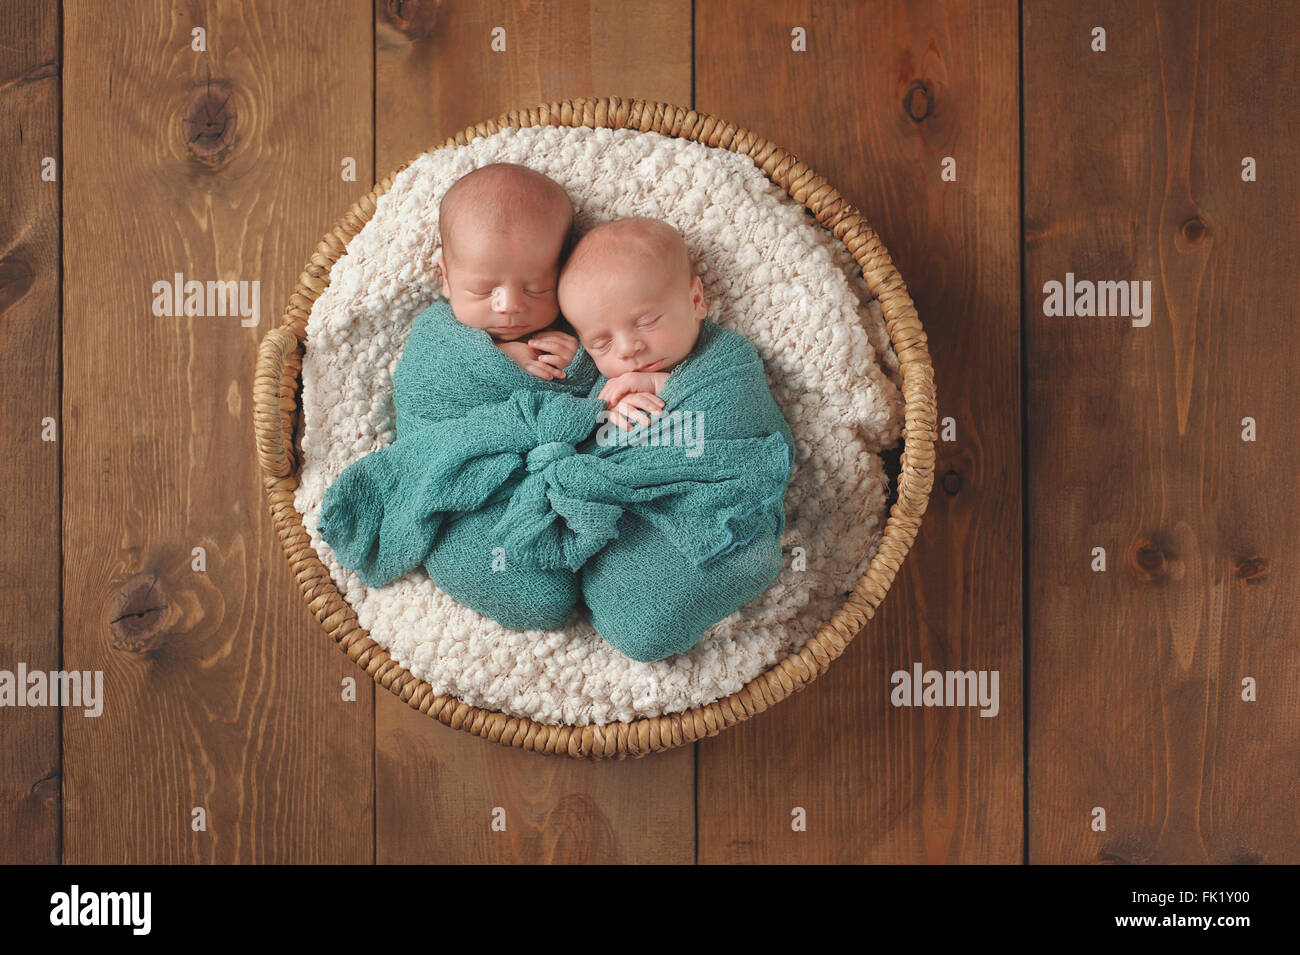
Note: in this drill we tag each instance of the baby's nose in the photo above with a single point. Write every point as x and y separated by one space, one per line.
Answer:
505 300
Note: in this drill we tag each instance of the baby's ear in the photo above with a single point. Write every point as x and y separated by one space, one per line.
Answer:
697 298
437 273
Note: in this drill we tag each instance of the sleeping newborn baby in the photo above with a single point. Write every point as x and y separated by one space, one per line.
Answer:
674 569
505 230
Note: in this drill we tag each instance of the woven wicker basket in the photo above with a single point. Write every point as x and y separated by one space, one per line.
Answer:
276 421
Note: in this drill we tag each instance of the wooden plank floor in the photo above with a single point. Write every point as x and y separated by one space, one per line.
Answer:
1142 451
1149 705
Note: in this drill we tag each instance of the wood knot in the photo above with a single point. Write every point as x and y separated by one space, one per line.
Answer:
1150 561
918 101
1193 229
414 19
1150 558
16 278
209 125
1253 569
951 483
139 617
46 789
1133 849
1192 237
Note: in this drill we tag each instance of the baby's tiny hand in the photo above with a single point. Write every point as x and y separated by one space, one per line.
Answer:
632 406
523 355
628 382
625 394
554 347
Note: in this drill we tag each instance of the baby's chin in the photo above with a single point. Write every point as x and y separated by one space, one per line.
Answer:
513 335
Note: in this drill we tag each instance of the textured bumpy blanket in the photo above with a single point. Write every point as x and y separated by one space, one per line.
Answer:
371 515
546 486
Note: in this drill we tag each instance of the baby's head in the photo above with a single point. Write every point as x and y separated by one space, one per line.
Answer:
504 231
629 292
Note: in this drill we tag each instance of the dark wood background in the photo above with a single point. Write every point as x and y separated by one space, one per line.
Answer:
1120 689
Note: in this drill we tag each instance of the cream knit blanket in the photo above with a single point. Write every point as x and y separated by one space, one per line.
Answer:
769 271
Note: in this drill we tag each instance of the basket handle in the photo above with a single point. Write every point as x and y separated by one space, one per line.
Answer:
274 406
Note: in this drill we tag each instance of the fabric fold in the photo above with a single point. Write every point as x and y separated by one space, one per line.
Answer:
383 514
562 514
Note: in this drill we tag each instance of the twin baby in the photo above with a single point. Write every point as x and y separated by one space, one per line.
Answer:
695 539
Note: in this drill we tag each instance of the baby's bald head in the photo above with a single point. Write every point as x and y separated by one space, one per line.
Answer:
505 230
505 198
648 246
630 293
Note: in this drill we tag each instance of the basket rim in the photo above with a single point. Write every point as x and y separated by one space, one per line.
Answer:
277 414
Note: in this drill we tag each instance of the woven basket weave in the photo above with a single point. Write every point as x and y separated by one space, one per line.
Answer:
276 421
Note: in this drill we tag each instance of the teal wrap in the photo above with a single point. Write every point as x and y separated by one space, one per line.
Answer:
370 516
517 503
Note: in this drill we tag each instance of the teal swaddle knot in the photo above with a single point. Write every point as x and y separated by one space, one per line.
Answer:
543 455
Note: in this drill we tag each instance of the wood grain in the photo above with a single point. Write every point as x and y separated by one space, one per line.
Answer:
29 395
221 694
882 95
1133 172
437 788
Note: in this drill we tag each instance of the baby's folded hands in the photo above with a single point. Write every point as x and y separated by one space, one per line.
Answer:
544 354
526 357
629 395
554 347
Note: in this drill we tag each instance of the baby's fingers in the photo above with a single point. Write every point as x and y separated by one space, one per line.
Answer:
555 360
554 338
543 371
611 393
630 412
643 399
